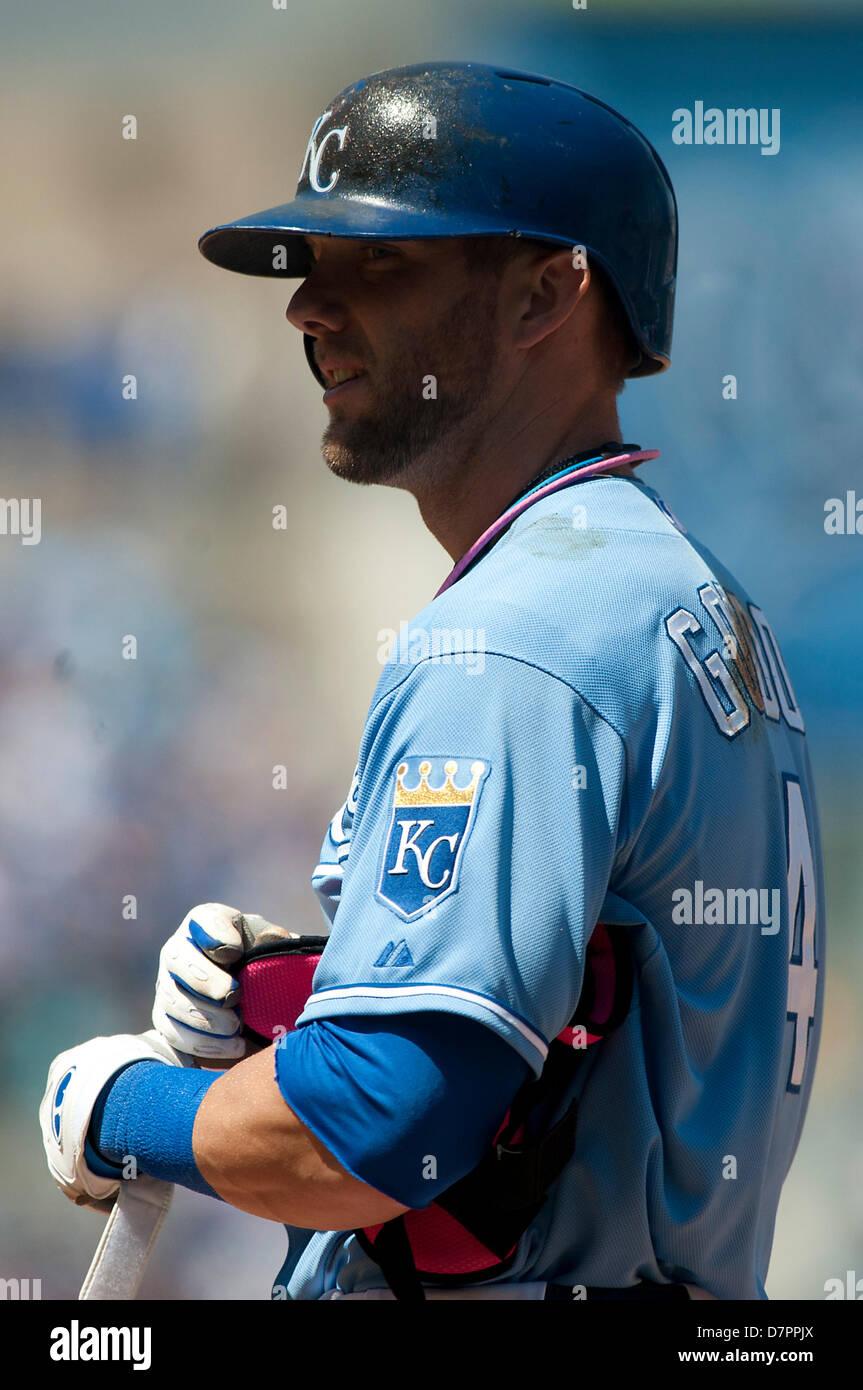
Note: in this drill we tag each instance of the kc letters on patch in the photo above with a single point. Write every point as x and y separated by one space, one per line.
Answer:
434 807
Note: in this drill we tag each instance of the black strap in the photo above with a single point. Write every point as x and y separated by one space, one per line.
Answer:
499 1198
392 1253
564 1293
549 1087
302 946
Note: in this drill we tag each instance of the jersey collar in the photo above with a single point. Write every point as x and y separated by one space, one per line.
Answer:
575 469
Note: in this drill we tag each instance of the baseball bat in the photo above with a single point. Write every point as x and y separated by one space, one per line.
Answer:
121 1256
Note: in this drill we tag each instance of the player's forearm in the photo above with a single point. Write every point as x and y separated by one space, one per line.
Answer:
257 1155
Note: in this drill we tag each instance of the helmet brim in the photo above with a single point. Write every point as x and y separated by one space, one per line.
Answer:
272 242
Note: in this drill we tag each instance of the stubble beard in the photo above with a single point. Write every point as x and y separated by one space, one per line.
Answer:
403 439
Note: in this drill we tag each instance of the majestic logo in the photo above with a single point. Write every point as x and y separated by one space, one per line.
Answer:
314 154
428 831
395 953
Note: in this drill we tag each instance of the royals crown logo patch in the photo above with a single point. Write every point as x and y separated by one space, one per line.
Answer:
434 807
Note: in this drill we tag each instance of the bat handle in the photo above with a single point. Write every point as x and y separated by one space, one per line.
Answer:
127 1241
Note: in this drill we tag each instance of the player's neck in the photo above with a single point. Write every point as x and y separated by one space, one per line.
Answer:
473 490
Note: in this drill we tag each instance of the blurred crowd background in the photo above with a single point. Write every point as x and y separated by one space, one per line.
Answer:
257 646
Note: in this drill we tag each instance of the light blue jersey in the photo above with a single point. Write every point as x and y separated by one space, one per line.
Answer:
596 724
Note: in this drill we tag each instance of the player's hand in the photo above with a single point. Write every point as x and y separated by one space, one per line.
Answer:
75 1079
196 994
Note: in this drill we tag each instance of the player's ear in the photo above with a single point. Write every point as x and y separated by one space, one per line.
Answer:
551 286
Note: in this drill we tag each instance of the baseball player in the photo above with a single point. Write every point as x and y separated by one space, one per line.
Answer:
578 868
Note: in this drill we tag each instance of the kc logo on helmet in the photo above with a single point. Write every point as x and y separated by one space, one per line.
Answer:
314 154
434 807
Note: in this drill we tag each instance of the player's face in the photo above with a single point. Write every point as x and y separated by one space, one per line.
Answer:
419 331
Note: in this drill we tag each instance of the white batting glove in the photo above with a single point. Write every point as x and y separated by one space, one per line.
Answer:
75 1079
196 993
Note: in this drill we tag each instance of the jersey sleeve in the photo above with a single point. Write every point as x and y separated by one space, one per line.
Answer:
487 815
386 1095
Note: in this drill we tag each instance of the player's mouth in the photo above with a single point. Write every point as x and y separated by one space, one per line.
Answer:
341 381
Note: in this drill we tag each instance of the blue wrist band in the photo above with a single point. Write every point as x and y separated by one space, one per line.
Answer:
147 1112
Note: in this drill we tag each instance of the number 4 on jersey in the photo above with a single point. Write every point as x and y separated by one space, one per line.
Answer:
802 966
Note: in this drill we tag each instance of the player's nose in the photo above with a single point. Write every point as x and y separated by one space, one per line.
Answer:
316 307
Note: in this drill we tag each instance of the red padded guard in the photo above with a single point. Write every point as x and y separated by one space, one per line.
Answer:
275 982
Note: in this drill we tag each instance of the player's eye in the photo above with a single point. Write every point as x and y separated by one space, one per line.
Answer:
374 253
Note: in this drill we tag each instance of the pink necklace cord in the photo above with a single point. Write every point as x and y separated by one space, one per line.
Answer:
578 474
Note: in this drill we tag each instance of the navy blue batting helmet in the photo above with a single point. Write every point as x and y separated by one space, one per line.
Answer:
461 149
